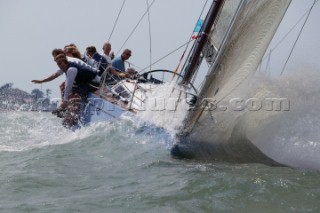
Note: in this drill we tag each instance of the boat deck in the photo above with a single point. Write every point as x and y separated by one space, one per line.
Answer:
113 99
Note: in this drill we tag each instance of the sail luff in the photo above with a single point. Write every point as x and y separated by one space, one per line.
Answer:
222 47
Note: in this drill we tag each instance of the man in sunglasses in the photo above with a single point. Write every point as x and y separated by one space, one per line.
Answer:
119 62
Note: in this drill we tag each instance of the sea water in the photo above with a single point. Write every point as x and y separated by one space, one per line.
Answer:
126 166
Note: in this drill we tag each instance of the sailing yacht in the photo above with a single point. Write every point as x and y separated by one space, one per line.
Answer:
230 117
228 122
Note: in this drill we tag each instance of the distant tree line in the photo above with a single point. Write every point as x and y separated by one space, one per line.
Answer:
35 93
14 96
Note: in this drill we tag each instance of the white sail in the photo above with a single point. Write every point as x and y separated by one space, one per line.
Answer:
240 36
220 29
241 47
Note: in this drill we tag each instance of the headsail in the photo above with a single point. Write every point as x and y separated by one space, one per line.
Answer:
238 41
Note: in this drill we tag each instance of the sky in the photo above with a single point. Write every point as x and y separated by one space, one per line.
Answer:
305 55
31 29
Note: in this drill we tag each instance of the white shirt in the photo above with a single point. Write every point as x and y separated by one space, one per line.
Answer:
71 76
108 58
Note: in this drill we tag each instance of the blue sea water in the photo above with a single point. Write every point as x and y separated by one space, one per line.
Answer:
126 166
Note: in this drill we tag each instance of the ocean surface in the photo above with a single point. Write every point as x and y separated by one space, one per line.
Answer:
126 166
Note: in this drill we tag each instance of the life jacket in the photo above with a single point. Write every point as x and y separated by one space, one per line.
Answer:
102 63
85 73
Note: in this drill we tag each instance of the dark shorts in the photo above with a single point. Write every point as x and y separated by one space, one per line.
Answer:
83 90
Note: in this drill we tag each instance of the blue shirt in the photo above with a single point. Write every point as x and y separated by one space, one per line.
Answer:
118 64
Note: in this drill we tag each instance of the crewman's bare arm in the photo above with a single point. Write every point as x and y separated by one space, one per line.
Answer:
50 78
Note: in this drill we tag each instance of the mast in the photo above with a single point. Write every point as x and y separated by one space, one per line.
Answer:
195 55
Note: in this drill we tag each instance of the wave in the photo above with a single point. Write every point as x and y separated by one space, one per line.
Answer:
22 131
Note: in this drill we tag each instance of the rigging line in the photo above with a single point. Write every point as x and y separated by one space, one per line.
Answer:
115 23
296 41
202 82
204 6
133 65
150 40
268 63
287 34
167 55
135 27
